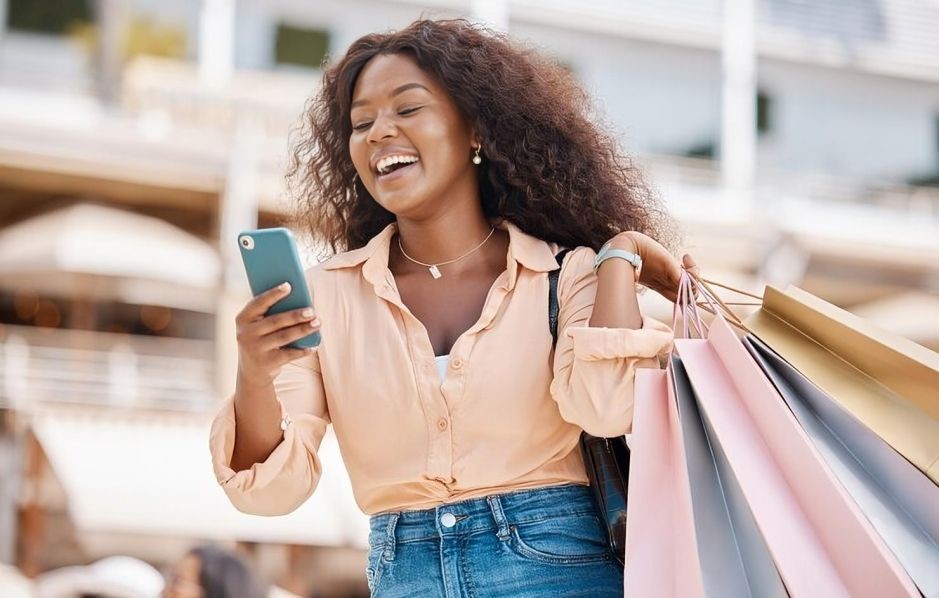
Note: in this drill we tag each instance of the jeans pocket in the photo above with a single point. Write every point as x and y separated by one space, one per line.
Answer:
377 545
567 540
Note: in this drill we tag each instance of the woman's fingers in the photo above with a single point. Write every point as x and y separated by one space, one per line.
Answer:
285 336
256 308
280 321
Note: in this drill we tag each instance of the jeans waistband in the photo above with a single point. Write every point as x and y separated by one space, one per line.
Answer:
498 512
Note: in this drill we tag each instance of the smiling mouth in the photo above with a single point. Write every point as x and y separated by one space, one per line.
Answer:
394 162
395 171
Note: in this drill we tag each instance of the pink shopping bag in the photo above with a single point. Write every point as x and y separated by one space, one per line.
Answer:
689 530
661 551
820 541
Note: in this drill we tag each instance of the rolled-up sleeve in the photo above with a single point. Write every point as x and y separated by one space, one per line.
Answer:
594 368
291 472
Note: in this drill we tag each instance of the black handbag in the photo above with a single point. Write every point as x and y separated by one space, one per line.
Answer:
606 459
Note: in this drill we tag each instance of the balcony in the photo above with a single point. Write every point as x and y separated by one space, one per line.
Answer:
44 366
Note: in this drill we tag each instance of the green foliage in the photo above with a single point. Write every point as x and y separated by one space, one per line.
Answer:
305 47
55 17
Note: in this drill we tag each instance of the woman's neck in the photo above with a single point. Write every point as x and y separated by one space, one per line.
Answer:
443 238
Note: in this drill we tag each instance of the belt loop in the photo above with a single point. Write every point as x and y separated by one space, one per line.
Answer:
388 554
495 504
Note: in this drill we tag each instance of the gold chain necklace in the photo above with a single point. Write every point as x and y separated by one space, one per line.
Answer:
434 270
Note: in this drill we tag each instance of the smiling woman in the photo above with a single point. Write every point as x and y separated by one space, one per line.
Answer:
548 164
447 167
409 142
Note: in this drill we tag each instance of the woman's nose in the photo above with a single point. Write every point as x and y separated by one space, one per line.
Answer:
382 128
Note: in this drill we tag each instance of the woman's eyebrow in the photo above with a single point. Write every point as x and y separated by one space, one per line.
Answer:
397 90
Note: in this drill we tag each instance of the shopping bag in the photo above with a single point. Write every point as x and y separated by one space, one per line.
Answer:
887 382
690 531
732 553
661 552
901 503
820 541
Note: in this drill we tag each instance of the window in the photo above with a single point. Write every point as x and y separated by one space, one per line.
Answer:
55 18
929 178
764 112
935 124
303 47
704 149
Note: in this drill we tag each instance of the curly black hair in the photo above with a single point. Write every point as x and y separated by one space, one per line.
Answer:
551 168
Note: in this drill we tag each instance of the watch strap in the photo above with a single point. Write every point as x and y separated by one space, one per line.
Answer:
609 252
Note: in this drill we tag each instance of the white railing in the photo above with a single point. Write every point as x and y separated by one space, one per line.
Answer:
40 365
913 201
271 102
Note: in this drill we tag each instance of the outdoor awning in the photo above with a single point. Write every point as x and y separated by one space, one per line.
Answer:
149 474
110 253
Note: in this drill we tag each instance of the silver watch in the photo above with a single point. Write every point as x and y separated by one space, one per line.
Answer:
606 252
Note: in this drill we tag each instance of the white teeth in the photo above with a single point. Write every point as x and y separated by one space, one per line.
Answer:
387 161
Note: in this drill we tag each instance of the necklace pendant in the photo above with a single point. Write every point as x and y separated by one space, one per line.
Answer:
435 272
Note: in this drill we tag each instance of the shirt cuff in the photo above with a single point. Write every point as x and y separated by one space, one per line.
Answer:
596 344
299 435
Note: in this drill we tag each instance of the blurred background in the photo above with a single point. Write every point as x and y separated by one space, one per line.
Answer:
795 141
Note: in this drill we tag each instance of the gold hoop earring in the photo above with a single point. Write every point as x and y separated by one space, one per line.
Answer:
476 159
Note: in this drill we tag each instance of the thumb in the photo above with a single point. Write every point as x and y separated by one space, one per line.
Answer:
688 263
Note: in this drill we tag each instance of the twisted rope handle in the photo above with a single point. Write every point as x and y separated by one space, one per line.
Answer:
723 310
686 308
691 286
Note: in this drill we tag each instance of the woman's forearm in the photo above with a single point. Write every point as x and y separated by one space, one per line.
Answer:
616 304
257 424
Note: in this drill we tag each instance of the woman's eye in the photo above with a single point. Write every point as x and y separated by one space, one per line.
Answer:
403 112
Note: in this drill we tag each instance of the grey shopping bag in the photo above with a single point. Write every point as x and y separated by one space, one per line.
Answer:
734 558
899 500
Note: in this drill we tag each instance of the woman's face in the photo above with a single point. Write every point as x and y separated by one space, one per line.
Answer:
400 110
183 581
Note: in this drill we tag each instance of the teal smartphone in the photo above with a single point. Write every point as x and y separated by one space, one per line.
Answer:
270 258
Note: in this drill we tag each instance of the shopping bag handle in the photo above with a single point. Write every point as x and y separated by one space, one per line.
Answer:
717 306
705 281
686 309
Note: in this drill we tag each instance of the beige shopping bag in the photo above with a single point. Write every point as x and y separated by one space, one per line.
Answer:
887 382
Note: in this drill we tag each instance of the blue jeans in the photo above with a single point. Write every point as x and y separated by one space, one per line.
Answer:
540 542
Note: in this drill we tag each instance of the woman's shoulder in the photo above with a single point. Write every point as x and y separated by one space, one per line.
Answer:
576 259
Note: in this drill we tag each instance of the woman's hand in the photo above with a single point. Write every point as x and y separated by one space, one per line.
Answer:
660 270
260 337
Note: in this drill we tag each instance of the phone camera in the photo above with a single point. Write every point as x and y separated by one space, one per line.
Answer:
247 242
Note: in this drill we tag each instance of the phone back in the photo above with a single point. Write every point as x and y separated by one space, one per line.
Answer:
270 258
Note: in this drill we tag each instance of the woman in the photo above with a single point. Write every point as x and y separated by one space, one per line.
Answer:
446 167
211 572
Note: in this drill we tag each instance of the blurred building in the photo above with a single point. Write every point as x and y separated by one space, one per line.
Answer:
796 142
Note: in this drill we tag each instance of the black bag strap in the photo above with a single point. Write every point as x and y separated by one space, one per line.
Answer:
553 307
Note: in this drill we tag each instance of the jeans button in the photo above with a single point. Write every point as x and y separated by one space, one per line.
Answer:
448 520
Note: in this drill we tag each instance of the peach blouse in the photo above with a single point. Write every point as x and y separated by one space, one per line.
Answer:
507 415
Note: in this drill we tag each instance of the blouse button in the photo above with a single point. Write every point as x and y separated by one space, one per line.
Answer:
457 363
442 424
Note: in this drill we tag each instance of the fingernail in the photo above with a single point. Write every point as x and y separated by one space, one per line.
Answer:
284 286
306 313
314 322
